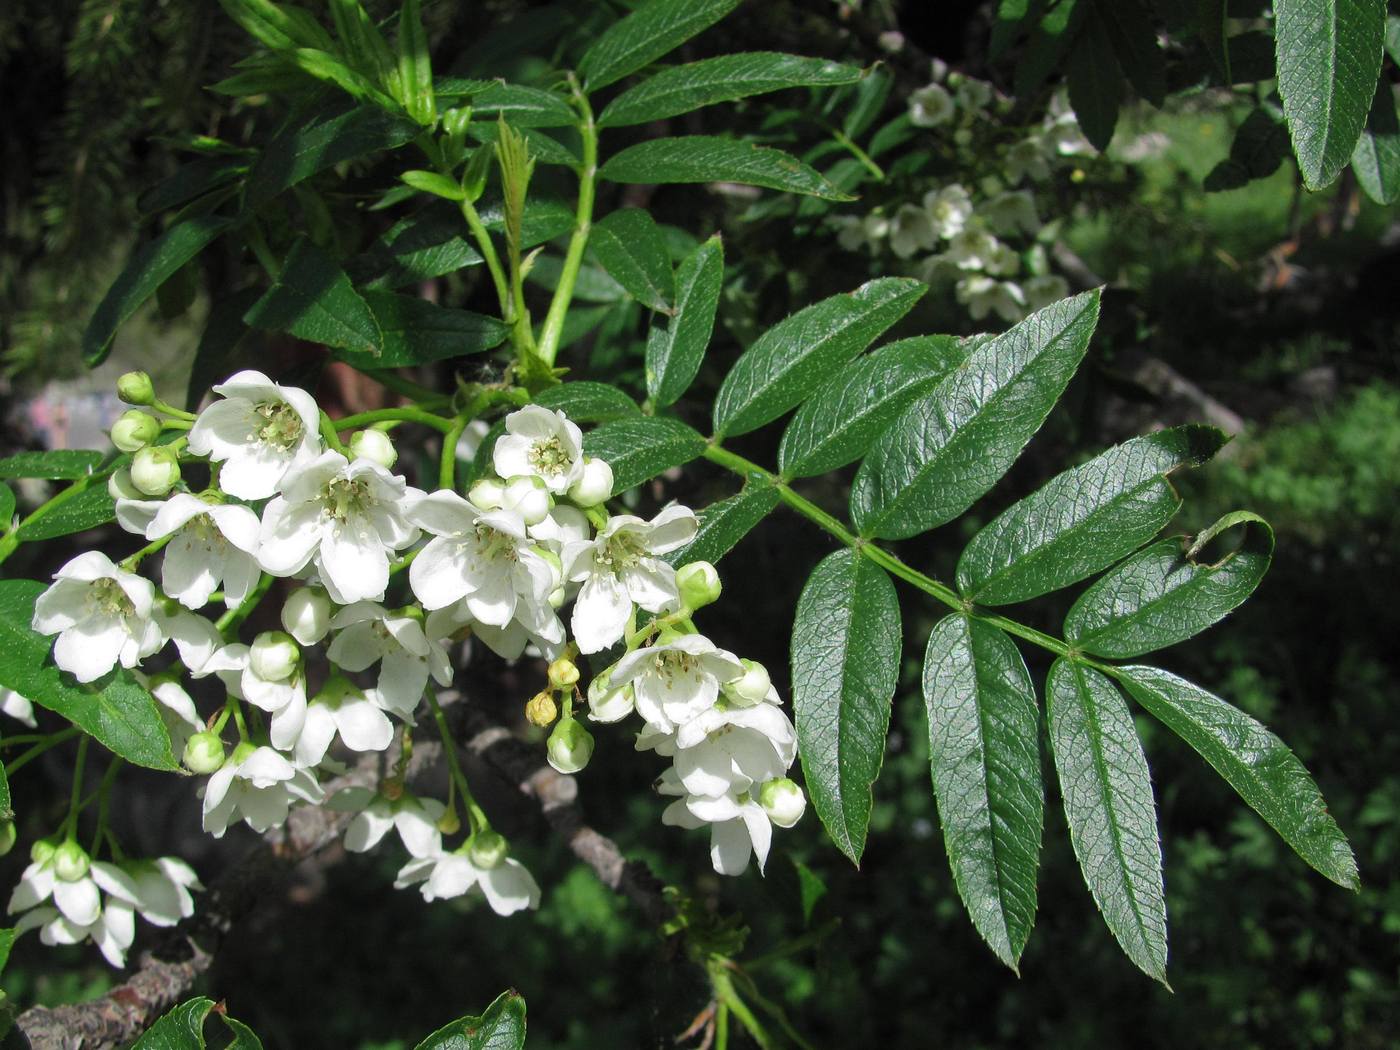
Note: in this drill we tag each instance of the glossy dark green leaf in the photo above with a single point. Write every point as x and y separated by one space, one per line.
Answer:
301 151
279 26
838 423
629 246
364 45
869 101
1111 812
1376 159
1083 520
191 181
845 667
416 331
586 402
1095 81
708 158
183 1029
724 524
639 449
655 28
1329 55
87 510
723 79
1134 39
1259 147
7 507
984 754
674 353
57 465
1165 595
1255 762
523 107
415 65
119 714
501 1027
314 300
954 443
150 266
1049 42
787 363
7 940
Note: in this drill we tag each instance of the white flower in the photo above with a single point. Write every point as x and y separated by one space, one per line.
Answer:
561 526
973 249
949 208
112 931
972 94
341 709
1043 290
158 889
480 558
541 443
620 566
930 106
284 699
415 819
508 886
346 517
1011 213
728 751
17 707
739 827
212 543
259 432
406 654
196 638
675 682
1026 159
257 787
101 614
983 295
911 231
854 234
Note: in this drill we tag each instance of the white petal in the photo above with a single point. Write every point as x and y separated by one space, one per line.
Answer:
265 767
420 834
289 536
90 649
79 901
316 736
363 726
730 847
452 876
353 562
438 576
760 831
600 613
115 882
509 888
114 934
366 830
35 885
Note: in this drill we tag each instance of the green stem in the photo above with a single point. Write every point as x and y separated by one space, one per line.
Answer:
131 561
229 621
104 796
406 413
11 539
70 825
51 741
171 410
728 996
865 159
488 252
447 465
407 387
475 814
331 437
553 329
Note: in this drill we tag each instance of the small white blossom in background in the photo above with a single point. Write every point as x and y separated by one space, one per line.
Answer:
931 106
983 295
507 886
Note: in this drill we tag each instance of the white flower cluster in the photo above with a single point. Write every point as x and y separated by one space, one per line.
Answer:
499 564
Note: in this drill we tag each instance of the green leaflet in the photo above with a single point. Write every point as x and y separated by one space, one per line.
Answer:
416 331
191 181
120 715
1134 40
586 402
1163 595
1095 80
794 357
7 940
279 26
723 79
150 266
724 524
838 423
301 151
655 28
7 811
870 97
523 107
845 667
629 246
674 354
639 449
1049 41
57 465
954 443
708 158
183 1029
1259 147
364 46
1376 159
87 510
500 1027
7 507
984 752
1082 520
415 65
314 300
1112 816
1256 763
1328 54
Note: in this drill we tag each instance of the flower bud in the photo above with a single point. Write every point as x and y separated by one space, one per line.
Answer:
8 835
70 861
555 565
570 746
274 656
449 823
135 430
595 485
783 801
119 485
563 673
243 752
487 849
698 583
606 704
155 470
541 710
204 753
752 686
306 615
135 388
528 497
486 494
557 598
42 851
375 446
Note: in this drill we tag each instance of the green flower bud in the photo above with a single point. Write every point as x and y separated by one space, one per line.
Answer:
698 583
486 494
204 753
541 710
449 823
528 496
119 486
570 746
8 836
752 686
375 446
70 861
42 851
274 656
595 485
306 615
155 470
243 752
135 388
487 849
135 430
563 673
783 801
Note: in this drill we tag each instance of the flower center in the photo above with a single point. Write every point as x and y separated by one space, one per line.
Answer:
279 425
672 665
492 543
107 597
344 497
549 457
622 551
